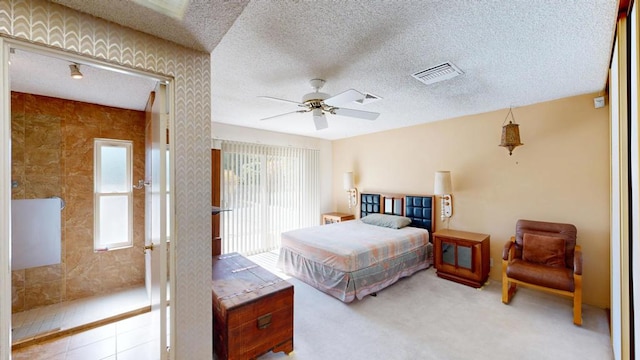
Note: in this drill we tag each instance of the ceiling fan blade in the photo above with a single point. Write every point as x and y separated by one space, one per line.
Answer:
344 98
285 114
367 115
283 100
320 121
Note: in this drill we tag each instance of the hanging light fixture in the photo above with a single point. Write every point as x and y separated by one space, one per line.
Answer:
510 134
75 71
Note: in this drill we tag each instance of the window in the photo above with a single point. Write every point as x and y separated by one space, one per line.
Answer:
268 190
113 197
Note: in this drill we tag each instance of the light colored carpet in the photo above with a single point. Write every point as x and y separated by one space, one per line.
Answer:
426 317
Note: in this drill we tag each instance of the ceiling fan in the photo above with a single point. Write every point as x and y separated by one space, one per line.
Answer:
320 103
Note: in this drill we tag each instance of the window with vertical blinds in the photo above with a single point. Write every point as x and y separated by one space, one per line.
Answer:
268 190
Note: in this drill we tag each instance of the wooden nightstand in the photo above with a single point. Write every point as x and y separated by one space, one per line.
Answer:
335 217
462 256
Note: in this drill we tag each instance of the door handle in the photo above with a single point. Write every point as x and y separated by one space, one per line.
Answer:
148 247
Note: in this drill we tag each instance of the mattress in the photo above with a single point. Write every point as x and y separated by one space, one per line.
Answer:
353 245
352 259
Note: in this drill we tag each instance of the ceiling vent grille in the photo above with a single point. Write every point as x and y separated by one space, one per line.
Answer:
438 73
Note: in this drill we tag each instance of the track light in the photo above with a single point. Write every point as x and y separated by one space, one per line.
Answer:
75 71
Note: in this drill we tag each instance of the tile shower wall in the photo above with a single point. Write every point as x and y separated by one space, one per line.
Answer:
52 155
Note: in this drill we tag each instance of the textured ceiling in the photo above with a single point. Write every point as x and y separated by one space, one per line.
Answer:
203 25
512 53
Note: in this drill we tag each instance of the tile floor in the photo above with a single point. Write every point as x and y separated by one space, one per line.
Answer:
33 323
122 340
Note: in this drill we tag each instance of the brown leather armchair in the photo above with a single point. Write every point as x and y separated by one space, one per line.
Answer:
544 256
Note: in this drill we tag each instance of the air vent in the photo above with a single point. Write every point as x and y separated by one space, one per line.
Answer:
437 73
368 98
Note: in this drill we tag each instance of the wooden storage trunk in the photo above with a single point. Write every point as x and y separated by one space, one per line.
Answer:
252 309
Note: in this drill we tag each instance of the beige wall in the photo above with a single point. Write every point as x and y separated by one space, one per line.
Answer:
561 174
52 155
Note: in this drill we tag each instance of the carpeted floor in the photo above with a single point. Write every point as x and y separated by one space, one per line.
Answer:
425 317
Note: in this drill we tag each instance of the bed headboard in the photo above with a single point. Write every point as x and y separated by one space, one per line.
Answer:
393 204
417 208
420 210
369 204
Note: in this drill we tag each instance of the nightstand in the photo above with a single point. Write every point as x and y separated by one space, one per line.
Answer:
462 256
336 217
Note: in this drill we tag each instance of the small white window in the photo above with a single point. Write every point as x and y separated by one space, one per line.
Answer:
113 197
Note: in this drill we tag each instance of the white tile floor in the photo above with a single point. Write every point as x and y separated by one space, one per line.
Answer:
34 323
122 340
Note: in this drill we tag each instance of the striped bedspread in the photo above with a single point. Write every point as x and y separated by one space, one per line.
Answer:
353 245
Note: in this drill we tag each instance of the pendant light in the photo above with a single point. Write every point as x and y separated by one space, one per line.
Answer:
510 134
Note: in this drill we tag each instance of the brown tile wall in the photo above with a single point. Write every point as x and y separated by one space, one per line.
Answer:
52 155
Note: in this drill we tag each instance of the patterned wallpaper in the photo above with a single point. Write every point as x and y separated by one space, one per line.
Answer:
44 23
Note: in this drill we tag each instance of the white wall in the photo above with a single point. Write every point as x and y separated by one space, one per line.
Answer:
221 131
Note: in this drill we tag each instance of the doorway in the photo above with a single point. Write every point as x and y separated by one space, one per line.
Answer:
62 125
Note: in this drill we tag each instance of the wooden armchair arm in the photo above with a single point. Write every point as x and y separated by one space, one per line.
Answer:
577 260
509 249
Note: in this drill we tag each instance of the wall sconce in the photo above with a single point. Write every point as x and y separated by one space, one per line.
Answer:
510 134
442 187
350 187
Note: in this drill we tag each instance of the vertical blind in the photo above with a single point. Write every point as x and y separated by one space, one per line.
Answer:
268 190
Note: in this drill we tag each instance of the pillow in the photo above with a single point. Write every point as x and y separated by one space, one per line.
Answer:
390 221
545 250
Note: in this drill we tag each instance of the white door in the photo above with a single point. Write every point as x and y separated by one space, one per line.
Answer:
156 220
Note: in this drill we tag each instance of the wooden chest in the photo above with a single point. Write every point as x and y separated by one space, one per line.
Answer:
252 309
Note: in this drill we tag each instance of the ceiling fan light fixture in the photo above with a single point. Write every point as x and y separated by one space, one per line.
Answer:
319 119
319 104
75 71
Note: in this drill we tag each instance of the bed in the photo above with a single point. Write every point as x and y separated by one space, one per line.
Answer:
353 259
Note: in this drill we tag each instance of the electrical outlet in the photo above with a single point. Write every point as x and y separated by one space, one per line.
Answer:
491 262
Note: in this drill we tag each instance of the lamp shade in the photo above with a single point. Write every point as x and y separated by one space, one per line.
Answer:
510 137
442 183
347 181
